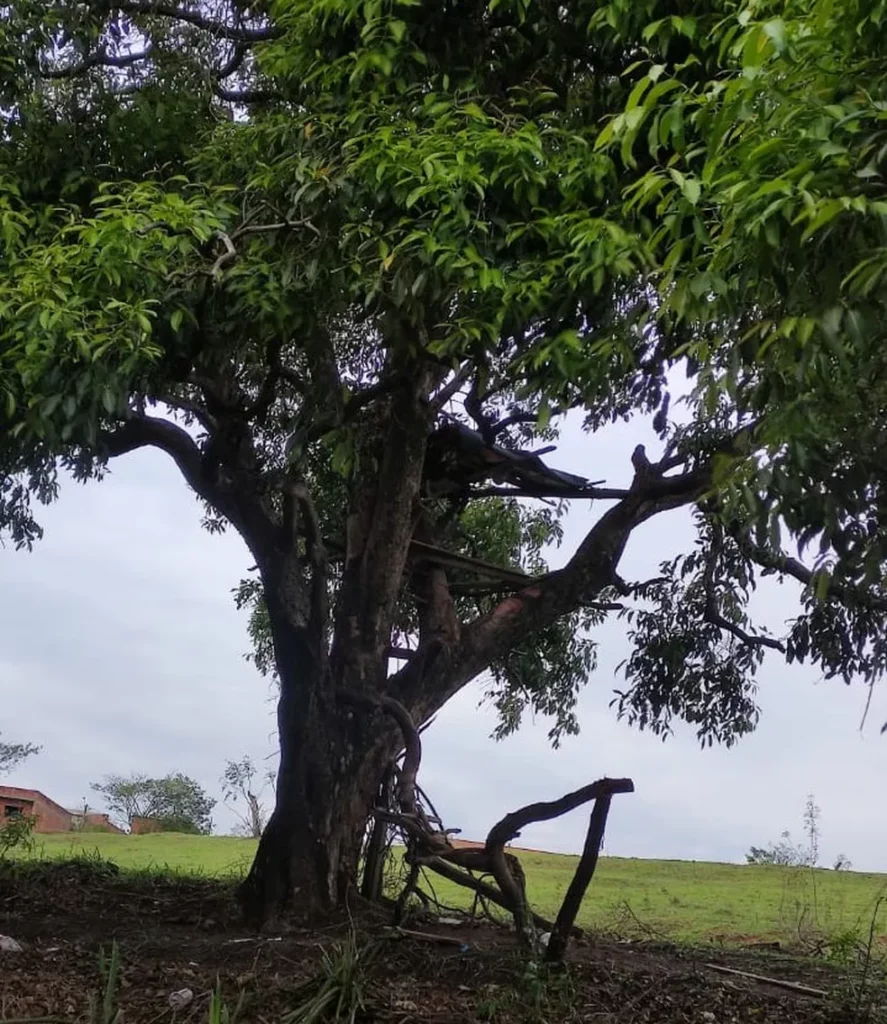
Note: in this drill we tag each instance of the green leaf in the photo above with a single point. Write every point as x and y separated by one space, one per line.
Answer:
397 29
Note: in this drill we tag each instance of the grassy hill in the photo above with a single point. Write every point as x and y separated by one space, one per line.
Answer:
675 900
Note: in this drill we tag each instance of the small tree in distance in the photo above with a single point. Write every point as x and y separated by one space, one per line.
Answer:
786 853
176 801
239 786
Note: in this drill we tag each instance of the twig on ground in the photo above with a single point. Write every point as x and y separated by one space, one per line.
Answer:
792 986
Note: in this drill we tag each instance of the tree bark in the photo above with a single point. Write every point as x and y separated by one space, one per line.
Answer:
332 760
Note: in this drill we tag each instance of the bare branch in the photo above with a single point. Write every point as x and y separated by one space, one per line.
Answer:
263 229
448 390
509 827
592 492
228 256
511 420
190 407
712 612
777 562
101 58
238 56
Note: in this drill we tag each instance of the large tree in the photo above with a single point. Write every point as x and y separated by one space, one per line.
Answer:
348 263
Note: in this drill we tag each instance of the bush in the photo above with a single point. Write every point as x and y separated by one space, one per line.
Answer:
17 833
785 853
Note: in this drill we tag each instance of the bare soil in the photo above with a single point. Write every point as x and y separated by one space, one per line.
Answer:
175 934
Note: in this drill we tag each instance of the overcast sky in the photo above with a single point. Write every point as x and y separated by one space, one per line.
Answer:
122 651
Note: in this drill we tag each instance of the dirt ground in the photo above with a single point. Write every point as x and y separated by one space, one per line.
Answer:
174 935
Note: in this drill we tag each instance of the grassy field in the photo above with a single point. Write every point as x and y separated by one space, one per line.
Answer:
675 900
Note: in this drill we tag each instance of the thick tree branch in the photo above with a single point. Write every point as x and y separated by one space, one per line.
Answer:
242 506
434 600
317 559
381 521
449 390
152 431
238 56
489 892
361 399
249 96
434 675
100 58
557 942
268 390
219 29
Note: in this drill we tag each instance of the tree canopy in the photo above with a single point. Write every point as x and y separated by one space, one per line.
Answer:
347 263
176 802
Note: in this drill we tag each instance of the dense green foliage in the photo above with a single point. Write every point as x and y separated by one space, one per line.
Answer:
259 218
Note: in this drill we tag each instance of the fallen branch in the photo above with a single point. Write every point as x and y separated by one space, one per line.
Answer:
489 892
792 986
447 940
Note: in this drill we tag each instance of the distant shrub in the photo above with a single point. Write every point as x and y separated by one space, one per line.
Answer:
17 833
785 853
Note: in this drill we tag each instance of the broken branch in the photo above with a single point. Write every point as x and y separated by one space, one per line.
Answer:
563 925
509 827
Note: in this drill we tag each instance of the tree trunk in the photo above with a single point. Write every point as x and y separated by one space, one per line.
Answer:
332 760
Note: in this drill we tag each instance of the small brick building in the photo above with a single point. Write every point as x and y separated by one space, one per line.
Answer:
49 816
140 826
93 821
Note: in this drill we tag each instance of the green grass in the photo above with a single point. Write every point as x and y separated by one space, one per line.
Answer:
202 856
675 900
